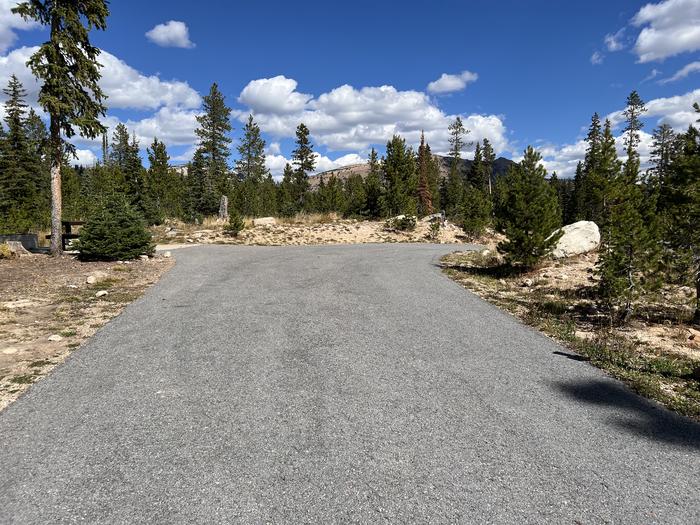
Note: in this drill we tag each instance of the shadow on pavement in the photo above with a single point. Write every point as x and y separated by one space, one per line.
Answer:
636 415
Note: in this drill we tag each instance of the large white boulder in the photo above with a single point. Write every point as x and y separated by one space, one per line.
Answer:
579 237
264 221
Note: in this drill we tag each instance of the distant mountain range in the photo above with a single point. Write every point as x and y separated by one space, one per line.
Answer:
500 167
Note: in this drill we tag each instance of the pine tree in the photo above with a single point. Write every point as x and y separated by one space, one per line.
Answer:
213 130
251 151
489 158
425 197
373 187
18 181
163 187
433 177
663 149
356 197
476 211
201 197
682 207
121 147
304 162
114 231
530 212
453 188
400 181
628 252
70 94
476 176
251 169
287 202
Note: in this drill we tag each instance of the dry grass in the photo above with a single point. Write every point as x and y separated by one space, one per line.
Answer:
41 296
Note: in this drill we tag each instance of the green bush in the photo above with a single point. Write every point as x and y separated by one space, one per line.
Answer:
235 224
114 231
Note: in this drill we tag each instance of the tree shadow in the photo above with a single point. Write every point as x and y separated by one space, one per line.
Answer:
635 414
500 271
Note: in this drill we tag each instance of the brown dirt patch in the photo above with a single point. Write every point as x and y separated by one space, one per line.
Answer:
45 297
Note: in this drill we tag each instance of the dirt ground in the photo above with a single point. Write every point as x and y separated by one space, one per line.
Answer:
571 281
305 230
48 308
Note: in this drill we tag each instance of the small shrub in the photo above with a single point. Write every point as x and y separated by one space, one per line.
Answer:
434 230
5 251
401 223
114 231
235 224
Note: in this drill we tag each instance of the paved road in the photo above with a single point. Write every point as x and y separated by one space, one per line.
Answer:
335 384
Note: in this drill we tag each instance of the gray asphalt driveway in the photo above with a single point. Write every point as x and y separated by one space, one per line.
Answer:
335 384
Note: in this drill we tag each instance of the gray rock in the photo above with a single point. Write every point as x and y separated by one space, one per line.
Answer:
577 238
101 293
265 221
55 338
96 277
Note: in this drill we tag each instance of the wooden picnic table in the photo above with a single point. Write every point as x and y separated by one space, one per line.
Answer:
68 234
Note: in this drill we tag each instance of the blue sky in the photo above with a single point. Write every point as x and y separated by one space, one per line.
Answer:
518 72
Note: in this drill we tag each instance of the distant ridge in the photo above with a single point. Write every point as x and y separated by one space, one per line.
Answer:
500 167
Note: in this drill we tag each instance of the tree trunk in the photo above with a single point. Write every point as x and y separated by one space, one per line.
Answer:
223 208
696 317
56 202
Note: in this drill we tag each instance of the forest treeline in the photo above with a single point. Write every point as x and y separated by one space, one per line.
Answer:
648 218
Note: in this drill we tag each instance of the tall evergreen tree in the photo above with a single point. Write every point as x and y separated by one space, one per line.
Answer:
120 151
373 186
489 158
213 130
682 206
356 201
530 213
70 94
18 178
400 181
251 151
251 170
288 204
477 176
663 149
425 197
453 187
201 196
163 187
304 162
628 252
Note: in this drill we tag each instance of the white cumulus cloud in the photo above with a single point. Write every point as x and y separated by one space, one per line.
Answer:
85 158
9 23
597 58
351 119
448 83
275 95
276 163
669 28
171 34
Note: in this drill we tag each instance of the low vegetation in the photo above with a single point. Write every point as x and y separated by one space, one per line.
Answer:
657 353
